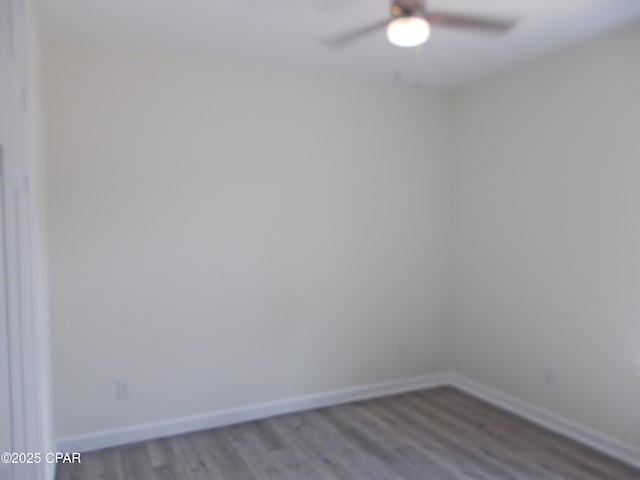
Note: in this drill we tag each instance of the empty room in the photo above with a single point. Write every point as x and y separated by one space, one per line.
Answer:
319 239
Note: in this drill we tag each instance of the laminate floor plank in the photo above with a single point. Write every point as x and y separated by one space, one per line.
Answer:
225 456
298 466
512 431
518 460
370 444
188 459
257 456
451 434
135 462
167 472
401 446
326 464
552 446
523 451
475 462
207 455
103 465
108 465
69 471
437 434
465 465
160 452
316 434
268 435
413 435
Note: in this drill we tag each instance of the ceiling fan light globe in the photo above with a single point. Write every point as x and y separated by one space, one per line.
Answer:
408 31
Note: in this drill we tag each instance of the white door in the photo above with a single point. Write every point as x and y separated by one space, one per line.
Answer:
6 428
21 368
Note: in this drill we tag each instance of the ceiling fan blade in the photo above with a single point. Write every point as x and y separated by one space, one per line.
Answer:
344 39
331 5
489 24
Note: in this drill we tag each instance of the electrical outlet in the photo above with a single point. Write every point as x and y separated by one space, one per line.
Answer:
122 390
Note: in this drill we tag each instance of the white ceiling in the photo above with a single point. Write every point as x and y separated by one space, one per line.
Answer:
287 33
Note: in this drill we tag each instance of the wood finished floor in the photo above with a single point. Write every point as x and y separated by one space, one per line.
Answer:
434 434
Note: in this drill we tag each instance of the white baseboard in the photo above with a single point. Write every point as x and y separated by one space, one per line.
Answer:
552 421
138 433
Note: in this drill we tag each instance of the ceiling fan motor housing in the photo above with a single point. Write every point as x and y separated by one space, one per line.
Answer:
410 24
408 8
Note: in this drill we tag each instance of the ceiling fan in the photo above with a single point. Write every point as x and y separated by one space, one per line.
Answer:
410 24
